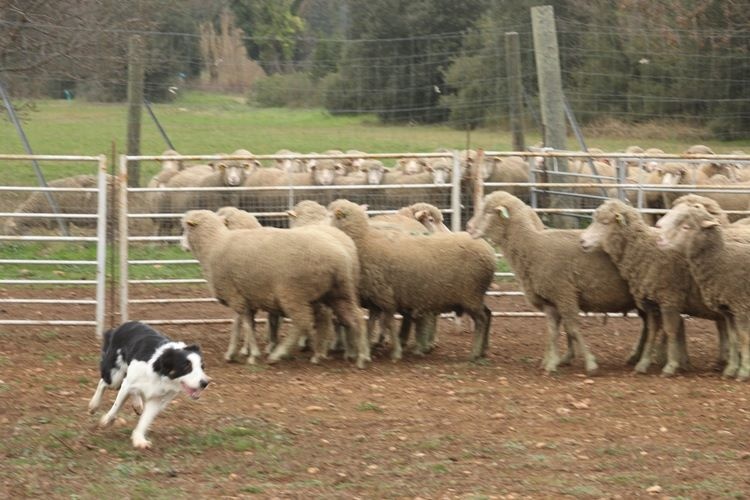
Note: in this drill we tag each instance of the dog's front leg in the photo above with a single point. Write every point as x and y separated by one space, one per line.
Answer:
122 395
96 399
150 410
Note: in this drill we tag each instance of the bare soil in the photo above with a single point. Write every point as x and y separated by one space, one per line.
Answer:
427 427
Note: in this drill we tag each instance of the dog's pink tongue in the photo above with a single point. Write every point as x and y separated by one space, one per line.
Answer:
193 393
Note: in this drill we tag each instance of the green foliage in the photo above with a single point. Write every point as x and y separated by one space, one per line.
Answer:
272 30
292 90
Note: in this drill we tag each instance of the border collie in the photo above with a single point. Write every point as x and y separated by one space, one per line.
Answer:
151 369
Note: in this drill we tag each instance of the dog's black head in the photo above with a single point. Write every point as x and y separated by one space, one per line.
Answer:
175 363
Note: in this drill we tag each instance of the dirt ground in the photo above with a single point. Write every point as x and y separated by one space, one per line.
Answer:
431 427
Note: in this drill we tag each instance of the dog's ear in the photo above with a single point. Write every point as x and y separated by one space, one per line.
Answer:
193 348
165 364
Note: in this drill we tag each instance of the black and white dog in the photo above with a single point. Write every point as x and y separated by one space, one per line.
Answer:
151 369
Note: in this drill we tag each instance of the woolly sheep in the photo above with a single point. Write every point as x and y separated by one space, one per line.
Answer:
69 202
721 268
506 169
235 218
659 279
291 165
416 274
268 268
557 277
227 173
173 202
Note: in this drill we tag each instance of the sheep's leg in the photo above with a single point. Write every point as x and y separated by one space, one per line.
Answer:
551 357
671 323
721 328
682 346
637 351
743 339
572 327
482 319
372 320
349 315
732 366
571 353
403 332
323 333
424 332
251 340
303 318
234 335
653 323
274 320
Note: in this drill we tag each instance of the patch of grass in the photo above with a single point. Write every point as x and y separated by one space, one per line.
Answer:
51 357
253 490
368 406
583 490
514 446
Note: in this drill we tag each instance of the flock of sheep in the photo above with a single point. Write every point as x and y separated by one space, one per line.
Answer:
332 261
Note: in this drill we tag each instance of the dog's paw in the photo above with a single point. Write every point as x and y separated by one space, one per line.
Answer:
93 407
106 420
141 443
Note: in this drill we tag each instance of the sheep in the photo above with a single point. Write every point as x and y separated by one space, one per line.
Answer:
720 268
659 280
235 218
506 169
707 174
428 217
69 202
310 216
438 174
419 274
295 165
557 277
178 201
268 268
411 165
227 173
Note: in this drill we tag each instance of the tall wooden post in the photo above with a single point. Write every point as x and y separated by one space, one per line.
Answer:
135 100
546 53
513 66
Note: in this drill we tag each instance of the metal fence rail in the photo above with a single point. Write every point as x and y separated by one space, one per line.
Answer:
100 240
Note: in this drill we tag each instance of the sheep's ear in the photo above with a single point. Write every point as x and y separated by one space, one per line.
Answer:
420 214
423 162
340 168
364 206
224 220
620 219
503 211
339 213
292 214
709 223
191 223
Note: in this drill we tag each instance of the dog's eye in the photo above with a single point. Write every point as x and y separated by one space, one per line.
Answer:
203 366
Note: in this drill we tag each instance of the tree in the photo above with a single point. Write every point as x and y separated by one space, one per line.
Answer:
272 32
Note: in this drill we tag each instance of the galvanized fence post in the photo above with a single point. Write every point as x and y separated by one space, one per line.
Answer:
122 194
101 245
456 193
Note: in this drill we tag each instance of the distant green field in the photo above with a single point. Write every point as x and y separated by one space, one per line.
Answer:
202 123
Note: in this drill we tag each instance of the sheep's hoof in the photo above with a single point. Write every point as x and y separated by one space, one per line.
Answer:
641 367
230 358
251 360
632 359
668 371
730 371
361 363
743 374
593 371
106 421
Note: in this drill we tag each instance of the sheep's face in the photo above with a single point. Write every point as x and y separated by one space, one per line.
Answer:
673 175
440 174
491 222
431 219
606 219
374 172
325 171
185 241
233 173
411 166
679 229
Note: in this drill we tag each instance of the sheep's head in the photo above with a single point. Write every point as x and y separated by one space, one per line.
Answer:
233 172
348 216
429 216
492 220
325 171
610 217
411 166
679 227
709 205
171 164
195 221
374 170
673 174
308 212
441 172
234 218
